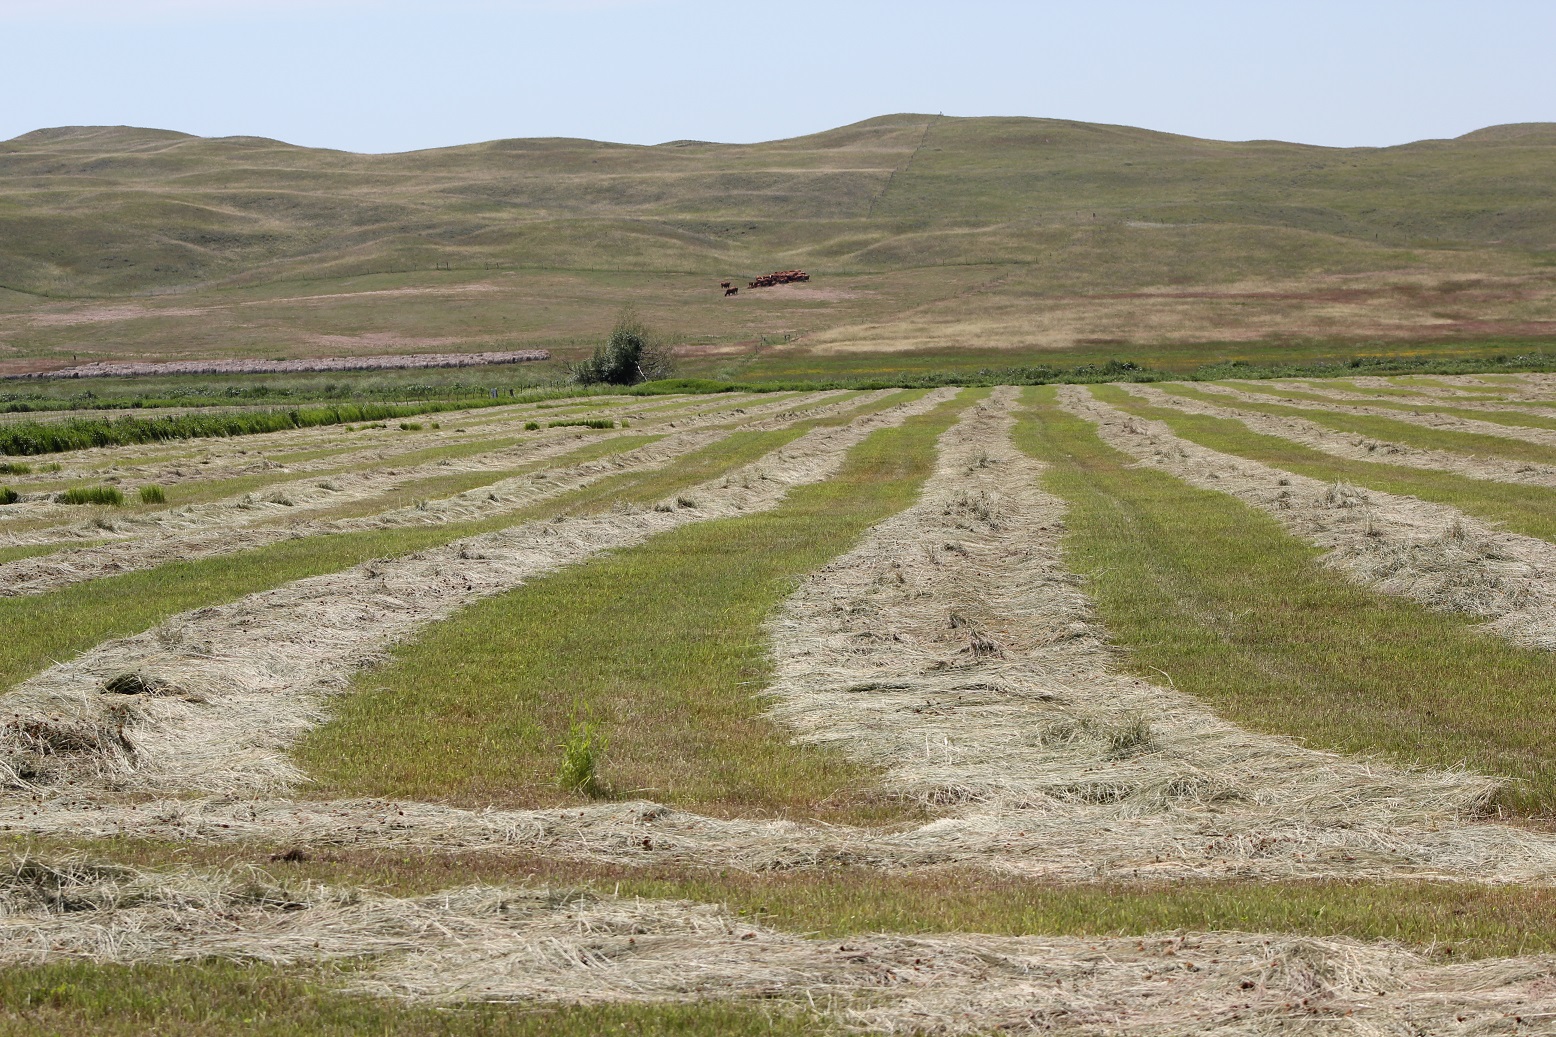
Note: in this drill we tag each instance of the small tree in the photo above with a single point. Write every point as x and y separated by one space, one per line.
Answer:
632 354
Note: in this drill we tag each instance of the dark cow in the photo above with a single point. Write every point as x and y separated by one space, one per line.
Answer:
731 291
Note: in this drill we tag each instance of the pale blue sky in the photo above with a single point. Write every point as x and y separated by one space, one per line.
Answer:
390 76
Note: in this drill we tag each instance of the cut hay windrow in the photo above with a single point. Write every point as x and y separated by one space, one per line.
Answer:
229 527
1356 447
539 946
977 677
1335 414
286 495
1403 396
1431 553
210 700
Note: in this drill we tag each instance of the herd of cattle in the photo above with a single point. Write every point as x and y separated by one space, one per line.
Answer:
767 281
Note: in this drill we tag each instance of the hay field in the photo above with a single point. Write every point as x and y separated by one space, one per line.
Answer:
1157 709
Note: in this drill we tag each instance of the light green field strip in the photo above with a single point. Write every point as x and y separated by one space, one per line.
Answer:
659 644
1197 586
1530 510
1513 419
11 554
44 628
1386 429
213 998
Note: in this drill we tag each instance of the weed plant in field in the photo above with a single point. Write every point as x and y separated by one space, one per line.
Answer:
660 644
582 756
8 495
1216 596
153 495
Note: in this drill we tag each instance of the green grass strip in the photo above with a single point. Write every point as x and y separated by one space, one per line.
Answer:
12 554
1530 510
1239 614
44 628
1423 436
660 645
213 998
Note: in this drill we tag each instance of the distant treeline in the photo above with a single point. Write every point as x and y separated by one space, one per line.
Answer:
50 437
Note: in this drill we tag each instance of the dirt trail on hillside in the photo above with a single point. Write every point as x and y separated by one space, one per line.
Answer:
210 700
1445 422
1432 553
1357 447
484 944
235 525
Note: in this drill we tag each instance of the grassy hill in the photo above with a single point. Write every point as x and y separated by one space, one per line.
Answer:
924 233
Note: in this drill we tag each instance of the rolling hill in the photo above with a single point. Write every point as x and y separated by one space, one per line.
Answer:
925 233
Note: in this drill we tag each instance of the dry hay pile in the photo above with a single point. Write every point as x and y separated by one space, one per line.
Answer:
227 527
1433 554
527 945
1359 448
210 700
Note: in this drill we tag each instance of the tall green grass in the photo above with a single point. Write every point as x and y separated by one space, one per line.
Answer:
106 495
658 646
1236 612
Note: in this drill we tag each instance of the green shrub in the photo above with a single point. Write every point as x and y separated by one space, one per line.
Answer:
531 426
583 423
410 426
152 495
15 468
581 757
108 495
631 355
8 495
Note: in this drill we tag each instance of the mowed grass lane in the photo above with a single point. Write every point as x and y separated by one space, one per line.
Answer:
1241 615
660 645
1520 508
46 628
